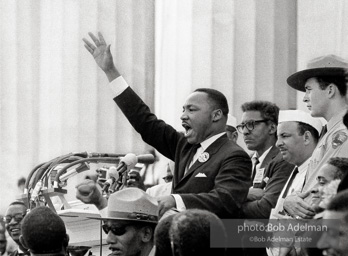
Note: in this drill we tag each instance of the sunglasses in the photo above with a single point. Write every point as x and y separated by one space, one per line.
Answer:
117 231
17 217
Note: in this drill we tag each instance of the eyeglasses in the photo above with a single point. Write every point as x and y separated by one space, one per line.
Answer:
17 217
117 231
250 125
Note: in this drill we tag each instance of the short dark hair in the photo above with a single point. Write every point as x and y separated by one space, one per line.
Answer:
341 163
162 239
21 181
339 81
44 231
268 110
217 98
190 233
18 203
303 127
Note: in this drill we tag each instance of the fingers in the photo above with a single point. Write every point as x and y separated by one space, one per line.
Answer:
89 46
101 38
95 39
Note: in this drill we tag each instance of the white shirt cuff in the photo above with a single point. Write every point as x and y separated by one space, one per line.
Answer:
118 85
179 202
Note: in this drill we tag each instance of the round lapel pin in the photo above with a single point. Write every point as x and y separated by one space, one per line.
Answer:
203 157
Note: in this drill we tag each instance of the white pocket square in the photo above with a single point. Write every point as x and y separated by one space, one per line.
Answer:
200 175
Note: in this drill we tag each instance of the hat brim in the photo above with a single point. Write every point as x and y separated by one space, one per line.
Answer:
298 79
124 219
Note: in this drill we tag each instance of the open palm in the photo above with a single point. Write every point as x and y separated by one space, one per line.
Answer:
100 51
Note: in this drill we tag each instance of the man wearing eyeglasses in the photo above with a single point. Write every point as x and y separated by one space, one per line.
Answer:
13 220
129 222
270 171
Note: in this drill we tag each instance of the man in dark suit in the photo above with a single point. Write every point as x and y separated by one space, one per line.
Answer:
211 172
13 223
270 171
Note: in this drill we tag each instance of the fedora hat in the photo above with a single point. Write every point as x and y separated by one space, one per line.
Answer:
330 65
132 204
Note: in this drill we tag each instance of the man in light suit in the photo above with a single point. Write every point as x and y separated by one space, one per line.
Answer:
211 172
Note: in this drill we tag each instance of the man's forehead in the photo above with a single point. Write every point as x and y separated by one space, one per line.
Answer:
197 97
251 115
16 208
289 126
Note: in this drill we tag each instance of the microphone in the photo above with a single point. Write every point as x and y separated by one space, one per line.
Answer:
81 168
113 176
130 160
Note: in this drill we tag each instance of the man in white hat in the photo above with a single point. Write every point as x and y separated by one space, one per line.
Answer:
130 221
298 134
325 85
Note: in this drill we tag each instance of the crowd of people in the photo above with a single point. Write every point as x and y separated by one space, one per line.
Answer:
298 171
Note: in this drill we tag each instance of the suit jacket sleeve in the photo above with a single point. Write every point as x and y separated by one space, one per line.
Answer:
261 208
153 131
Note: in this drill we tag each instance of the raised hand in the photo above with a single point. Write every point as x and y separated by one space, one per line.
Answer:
102 55
88 192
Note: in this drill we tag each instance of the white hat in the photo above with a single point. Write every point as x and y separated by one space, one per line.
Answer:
231 121
300 116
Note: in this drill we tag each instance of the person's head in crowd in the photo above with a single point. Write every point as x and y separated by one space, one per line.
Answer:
3 243
190 233
204 115
334 239
162 239
13 221
43 232
130 222
298 134
324 82
21 184
231 129
329 176
259 125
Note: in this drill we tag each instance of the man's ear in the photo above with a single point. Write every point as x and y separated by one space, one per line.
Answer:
22 241
307 137
217 115
146 234
273 129
331 89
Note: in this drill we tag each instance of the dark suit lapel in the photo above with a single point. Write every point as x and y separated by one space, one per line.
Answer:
182 164
211 150
271 154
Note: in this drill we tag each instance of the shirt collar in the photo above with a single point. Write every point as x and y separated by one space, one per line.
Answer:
263 156
205 144
303 167
336 119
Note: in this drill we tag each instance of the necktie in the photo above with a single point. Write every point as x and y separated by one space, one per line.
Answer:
323 131
255 162
192 153
293 175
